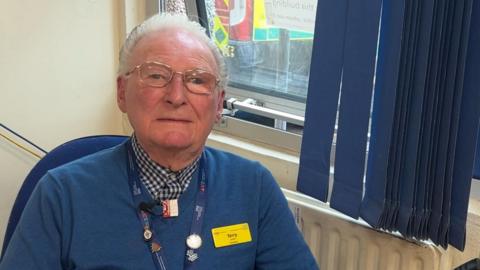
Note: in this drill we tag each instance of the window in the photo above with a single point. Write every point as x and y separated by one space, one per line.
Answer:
267 45
262 56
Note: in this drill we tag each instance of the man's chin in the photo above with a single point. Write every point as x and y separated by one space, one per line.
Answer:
174 142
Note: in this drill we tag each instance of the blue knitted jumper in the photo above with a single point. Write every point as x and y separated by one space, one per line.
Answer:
82 216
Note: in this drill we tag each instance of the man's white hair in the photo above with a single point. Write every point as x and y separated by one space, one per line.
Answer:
168 21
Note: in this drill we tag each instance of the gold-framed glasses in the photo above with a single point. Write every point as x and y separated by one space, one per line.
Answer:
157 74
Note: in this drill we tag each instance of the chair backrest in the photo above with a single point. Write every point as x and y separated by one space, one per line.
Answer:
62 154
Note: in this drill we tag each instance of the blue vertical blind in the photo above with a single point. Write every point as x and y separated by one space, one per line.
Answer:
476 167
410 69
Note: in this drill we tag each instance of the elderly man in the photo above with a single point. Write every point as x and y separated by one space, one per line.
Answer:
162 200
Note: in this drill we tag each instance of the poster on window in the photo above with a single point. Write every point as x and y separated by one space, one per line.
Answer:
291 14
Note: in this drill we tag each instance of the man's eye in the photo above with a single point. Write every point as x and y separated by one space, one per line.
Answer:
196 80
156 76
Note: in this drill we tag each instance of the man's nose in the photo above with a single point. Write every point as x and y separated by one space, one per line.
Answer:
175 93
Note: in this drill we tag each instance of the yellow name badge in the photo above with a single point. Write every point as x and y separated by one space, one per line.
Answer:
231 235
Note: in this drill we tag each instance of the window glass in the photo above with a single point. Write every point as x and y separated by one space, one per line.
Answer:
267 43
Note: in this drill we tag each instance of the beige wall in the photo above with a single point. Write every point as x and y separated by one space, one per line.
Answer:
58 66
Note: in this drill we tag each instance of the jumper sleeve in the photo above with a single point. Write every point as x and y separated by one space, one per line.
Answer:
280 243
36 242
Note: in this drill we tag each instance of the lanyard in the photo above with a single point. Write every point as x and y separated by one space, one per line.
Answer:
194 240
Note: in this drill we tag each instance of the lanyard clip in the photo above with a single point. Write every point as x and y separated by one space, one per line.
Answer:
147 207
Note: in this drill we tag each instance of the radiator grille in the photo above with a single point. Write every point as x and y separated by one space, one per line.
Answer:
339 243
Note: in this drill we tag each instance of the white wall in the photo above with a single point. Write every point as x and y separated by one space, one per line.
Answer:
58 66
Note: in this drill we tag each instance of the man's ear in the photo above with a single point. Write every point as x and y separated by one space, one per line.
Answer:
121 89
221 96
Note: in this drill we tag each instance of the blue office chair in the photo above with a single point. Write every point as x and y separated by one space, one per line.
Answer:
62 154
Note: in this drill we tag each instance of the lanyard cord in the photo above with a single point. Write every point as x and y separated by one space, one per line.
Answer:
193 241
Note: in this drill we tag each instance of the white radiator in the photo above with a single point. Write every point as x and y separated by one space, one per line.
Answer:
341 243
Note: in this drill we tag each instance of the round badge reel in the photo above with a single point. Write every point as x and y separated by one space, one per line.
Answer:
194 241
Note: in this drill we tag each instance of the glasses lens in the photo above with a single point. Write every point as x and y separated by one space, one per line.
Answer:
200 82
155 74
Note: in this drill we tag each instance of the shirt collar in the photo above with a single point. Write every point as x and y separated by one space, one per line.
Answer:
161 182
